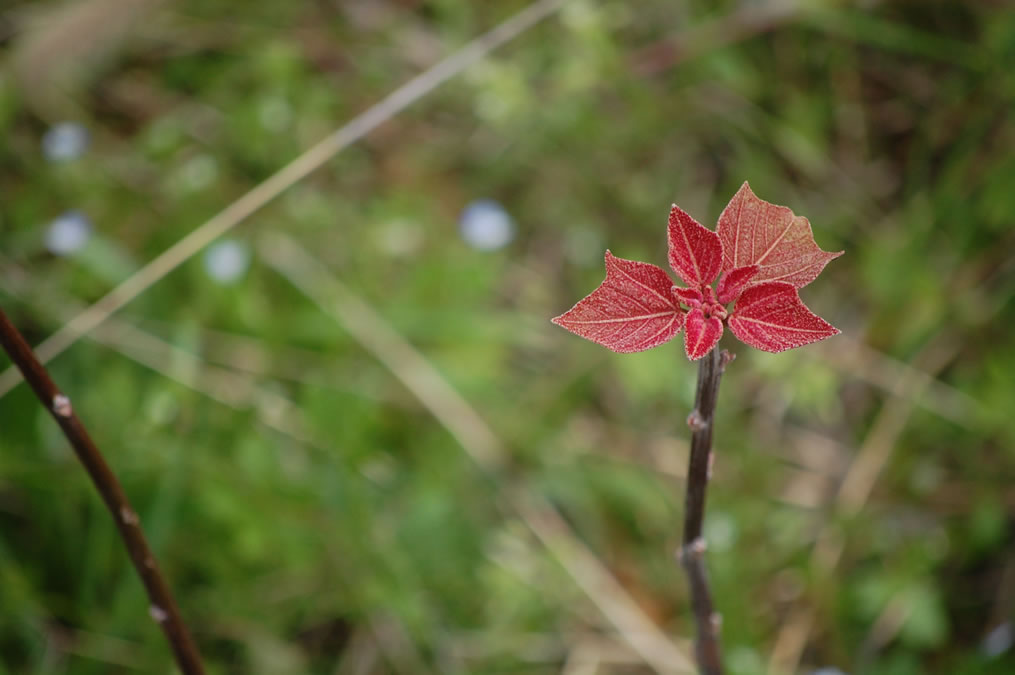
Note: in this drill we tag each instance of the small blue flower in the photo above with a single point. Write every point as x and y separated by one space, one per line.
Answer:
486 226
68 233
998 641
64 141
226 261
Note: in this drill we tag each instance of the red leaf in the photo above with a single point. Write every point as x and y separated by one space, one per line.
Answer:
700 334
771 317
631 311
689 296
695 251
734 282
755 232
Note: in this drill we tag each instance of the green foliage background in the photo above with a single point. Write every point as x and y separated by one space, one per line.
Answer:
361 538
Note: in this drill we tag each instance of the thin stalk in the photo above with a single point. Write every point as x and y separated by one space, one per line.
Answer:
163 607
692 550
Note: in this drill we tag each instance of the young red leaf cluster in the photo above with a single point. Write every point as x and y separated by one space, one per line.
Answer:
761 254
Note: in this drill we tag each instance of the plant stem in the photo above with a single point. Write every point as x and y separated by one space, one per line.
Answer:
163 607
692 550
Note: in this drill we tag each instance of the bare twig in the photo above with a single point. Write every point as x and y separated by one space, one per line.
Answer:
163 607
692 549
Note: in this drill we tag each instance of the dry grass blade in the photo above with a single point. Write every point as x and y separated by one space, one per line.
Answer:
637 630
396 646
65 45
281 181
856 488
378 337
434 392
853 358
236 390
231 389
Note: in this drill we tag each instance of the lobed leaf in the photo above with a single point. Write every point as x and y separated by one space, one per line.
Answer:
634 308
772 317
695 250
756 232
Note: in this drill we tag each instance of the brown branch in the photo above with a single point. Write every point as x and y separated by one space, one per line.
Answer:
692 550
163 607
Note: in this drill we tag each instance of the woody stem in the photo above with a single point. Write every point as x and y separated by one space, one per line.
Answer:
692 550
163 607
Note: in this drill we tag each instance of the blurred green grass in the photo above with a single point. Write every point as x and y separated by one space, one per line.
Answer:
360 537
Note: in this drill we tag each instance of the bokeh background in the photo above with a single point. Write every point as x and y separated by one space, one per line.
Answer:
353 435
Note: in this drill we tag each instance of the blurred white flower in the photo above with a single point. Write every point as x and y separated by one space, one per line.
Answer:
68 233
64 141
226 261
486 226
998 641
